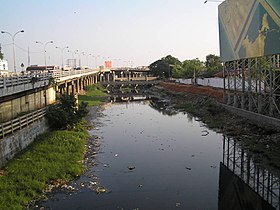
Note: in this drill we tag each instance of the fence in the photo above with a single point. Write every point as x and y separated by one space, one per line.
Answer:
17 124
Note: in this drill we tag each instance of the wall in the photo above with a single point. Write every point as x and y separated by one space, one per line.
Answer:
11 145
27 103
255 117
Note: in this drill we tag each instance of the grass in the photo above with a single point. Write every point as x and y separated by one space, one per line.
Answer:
94 96
53 156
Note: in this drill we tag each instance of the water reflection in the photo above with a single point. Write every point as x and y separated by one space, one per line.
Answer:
175 164
244 184
163 106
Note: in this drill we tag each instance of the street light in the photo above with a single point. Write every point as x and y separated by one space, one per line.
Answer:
194 72
79 53
44 45
95 60
14 51
62 50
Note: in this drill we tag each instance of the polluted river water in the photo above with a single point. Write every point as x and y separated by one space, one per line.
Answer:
141 156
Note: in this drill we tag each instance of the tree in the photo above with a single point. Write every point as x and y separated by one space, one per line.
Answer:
66 113
165 66
159 68
213 65
190 68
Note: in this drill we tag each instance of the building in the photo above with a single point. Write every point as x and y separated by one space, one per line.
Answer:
3 67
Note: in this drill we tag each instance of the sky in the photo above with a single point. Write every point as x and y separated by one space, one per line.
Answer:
128 32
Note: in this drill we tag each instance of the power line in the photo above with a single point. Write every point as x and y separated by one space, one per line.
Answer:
26 51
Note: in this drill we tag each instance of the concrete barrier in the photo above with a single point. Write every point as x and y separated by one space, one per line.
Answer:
12 144
258 119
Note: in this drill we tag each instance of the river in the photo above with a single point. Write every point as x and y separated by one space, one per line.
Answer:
151 158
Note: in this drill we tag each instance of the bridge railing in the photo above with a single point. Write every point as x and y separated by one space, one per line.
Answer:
6 82
21 122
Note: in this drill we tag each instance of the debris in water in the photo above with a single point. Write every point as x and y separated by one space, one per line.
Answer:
213 166
116 155
106 165
188 168
178 204
100 190
140 185
204 133
131 167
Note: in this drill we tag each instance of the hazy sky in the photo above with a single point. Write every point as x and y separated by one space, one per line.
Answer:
140 31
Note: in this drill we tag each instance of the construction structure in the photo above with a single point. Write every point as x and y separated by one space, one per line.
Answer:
250 50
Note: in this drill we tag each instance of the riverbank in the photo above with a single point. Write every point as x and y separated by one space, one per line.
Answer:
49 162
261 142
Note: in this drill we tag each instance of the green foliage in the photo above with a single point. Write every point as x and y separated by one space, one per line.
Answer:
171 66
53 156
66 114
189 68
94 95
213 65
164 67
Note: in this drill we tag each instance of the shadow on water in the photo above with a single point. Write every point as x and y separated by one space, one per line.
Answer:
152 156
243 184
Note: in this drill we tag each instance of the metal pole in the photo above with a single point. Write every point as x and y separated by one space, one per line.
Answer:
14 50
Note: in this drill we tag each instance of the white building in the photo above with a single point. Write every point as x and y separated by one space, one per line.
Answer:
3 64
3 67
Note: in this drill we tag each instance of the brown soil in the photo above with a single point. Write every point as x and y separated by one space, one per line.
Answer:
216 93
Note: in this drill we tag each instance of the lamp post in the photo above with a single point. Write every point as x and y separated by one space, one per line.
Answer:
194 72
44 45
87 57
79 53
14 51
95 59
62 50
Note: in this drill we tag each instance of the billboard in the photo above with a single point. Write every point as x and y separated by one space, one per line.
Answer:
108 64
249 28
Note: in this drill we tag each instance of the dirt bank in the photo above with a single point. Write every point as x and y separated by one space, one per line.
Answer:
262 143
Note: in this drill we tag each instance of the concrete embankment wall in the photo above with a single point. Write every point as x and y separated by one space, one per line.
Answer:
259 119
27 103
12 144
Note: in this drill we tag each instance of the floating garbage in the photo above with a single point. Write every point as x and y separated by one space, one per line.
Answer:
178 204
131 167
188 168
100 190
204 133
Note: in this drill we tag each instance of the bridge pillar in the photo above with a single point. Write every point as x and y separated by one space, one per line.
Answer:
72 86
80 84
94 79
77 86
113 76
107 77
68 91
91 80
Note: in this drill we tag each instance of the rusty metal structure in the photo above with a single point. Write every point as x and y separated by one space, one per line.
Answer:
253 84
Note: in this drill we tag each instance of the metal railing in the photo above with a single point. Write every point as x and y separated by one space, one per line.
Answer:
19 123
6 82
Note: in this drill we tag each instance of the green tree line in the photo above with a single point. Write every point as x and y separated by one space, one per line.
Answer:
170 66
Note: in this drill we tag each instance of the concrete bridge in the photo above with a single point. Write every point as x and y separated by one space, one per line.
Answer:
23 100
